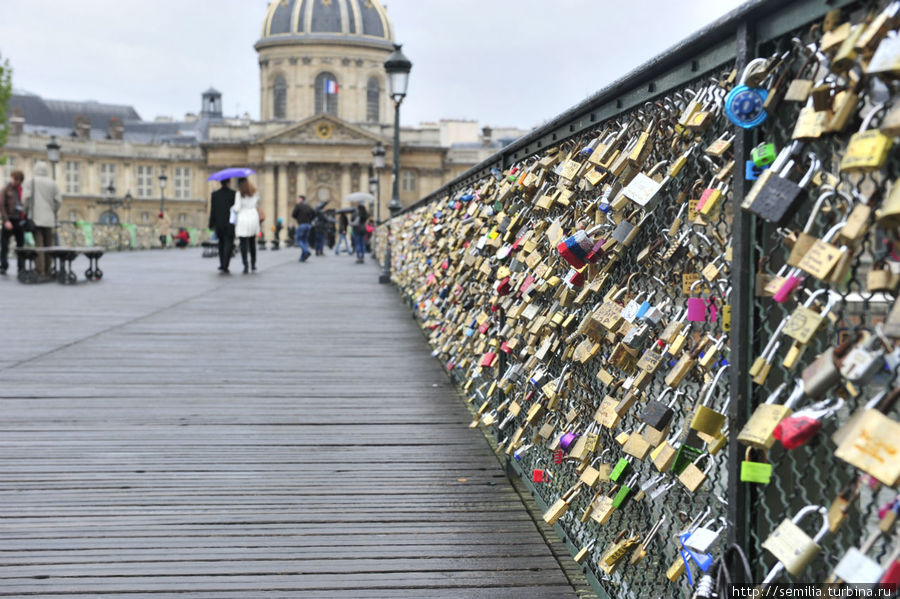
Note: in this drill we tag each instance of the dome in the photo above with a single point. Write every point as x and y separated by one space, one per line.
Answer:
353 22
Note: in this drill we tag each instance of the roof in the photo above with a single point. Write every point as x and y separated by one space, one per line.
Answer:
57 117
353 22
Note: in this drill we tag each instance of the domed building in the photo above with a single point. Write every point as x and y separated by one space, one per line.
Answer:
324 105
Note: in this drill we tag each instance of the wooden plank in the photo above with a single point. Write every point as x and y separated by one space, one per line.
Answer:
176 432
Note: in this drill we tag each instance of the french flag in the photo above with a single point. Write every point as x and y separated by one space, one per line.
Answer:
331 87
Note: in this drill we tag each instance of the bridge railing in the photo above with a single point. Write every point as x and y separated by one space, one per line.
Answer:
605 303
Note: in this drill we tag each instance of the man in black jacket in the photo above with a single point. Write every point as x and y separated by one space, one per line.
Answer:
220 222
304 215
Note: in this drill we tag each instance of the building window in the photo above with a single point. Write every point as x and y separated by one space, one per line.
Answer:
327 94
109 218
279 98
73 215
145 218
408 181
11 161
182 219
73 177
182 182
145 181
373 101
107 176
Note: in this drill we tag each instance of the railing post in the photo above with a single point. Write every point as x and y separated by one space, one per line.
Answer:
741 336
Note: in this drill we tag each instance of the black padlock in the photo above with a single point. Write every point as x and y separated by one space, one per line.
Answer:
657 414
774 197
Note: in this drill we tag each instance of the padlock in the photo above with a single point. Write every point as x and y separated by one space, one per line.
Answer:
624 492
603 506
798 428
820 261
867 149
886 59
757 431
664 454
856 567
620 469
764 154
702 538
656 413
744 104
612 557
692 477
561 505
774 197
881 278
640 551
755 472
792 547
873 442
595 472
706 419
584 552
636 445
864 361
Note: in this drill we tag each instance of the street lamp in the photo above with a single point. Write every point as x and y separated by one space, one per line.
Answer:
397 67
53 149
163 179
378 162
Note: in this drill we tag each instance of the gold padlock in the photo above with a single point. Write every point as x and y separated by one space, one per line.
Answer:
759 429
792 547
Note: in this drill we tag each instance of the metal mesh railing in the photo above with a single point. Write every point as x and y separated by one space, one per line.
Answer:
591 300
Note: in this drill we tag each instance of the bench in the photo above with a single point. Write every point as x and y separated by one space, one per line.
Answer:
60 265
210 249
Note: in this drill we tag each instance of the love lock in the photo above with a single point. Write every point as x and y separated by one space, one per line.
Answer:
797 429
792 547
702 538
744 104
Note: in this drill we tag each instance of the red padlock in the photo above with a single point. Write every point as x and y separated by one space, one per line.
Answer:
537 476
797 429
488 359
890 580
503 287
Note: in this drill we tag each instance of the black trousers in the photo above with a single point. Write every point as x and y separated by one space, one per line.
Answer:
248 243
17 232
226 245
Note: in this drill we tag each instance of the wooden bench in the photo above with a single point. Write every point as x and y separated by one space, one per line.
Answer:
60 265
210 249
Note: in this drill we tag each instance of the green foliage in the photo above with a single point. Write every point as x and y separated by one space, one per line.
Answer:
5 95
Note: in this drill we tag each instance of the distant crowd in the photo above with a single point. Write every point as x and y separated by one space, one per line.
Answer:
236 215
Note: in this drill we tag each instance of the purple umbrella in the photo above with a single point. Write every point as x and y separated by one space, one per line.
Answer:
231 173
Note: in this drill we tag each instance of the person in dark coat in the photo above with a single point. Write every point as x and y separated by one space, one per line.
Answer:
12 220
220 222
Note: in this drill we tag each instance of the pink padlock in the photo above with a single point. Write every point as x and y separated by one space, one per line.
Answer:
696 309
791 282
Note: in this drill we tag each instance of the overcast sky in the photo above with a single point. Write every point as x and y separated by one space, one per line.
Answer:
501 62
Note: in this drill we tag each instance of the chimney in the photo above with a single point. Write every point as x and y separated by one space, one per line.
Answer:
486 133
83 127
116 128
17 120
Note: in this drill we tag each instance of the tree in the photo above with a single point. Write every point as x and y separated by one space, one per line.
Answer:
5 95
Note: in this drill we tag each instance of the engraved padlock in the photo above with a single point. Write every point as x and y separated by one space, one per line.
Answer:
792 547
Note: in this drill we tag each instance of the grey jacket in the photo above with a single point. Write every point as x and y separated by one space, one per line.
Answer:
41 197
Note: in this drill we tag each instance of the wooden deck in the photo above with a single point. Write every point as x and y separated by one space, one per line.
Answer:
172 432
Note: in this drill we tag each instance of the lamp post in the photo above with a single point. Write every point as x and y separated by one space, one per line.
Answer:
378 163
397 67
128 200
53 149
163 179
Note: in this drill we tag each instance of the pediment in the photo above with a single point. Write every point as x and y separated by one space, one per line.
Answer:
321 128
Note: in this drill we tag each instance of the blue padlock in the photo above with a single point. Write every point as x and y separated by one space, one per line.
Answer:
744 104
752 172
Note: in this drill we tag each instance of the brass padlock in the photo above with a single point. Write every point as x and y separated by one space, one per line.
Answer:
792 547
692 477
757 432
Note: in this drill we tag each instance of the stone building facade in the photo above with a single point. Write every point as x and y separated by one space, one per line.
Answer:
324 104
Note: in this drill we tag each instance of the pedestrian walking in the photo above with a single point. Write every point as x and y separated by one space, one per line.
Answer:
304 215
42 202
358 223
320 224
343 223
12 220
220 212
163 228
246 227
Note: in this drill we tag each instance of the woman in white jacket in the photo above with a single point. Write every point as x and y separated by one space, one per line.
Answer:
246 226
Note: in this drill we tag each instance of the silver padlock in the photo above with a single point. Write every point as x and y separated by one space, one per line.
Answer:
858 568
629 313
864 361
702 538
